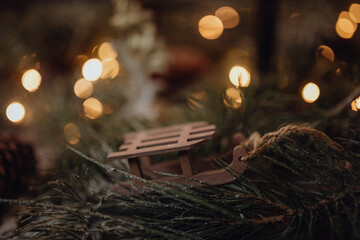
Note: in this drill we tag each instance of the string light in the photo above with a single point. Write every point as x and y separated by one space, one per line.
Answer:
239 76
72 133
92 108
355 105
110 67
15 112
229 17
106 50
326 52
232 98
92 69
31 80
210 27
346 25
355 11
310 92
83 89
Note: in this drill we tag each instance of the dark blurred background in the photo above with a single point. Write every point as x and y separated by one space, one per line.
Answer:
57 31
275 39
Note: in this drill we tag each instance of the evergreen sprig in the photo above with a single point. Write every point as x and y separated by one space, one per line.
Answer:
299 185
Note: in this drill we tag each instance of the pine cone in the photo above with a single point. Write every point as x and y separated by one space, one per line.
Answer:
17 165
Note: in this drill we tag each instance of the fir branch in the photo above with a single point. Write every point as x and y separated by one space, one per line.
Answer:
268 201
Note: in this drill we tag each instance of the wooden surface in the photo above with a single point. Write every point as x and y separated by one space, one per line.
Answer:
211 177
139 146
163 140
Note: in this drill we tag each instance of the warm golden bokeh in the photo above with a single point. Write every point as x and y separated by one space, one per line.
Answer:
92 108
326 52
15 112
31 80
229 16
341 33
83 88
346 25
106 50
232 98
239 76
72 133
92 69
355 11
310 92
210 27
355 105
110 67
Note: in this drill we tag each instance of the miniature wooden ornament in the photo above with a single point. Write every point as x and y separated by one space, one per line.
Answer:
139 146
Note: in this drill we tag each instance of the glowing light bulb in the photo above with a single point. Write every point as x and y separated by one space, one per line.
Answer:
239 76
72 133
326 52
355 11
310 92
92 108
232 98
229 17
111 68
106 50
31 80
355 105
346 25
15 112
210 27
92 69
83 89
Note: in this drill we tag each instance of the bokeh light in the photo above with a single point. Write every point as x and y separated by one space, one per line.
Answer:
15 112
232 98
31 80
106 50
346 25
355 105
83 89
355 11
229 17
310 92
92 69
92 108
239 76
210 27
326 52
110 67
72 133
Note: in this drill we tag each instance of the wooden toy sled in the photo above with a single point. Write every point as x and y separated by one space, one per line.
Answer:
139 146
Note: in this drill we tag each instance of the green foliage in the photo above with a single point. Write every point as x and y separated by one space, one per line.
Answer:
299 185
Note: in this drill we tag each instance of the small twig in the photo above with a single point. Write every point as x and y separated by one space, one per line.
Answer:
344 103
291 213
